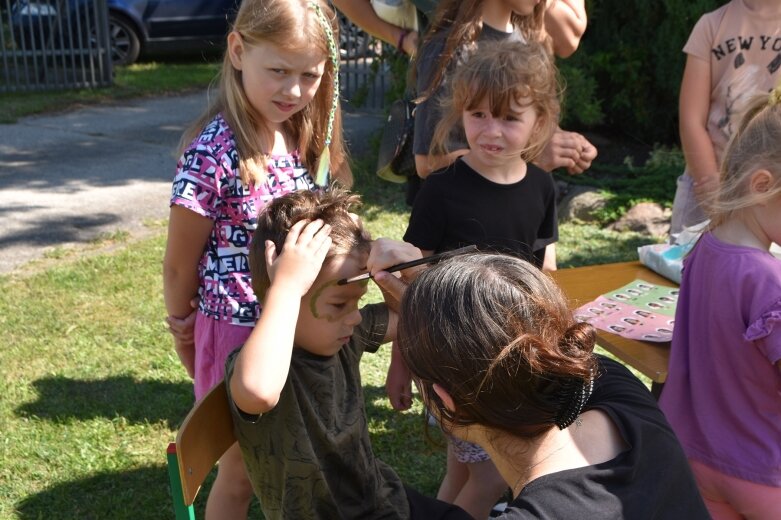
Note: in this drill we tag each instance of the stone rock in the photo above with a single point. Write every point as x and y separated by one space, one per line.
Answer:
582 202
648 218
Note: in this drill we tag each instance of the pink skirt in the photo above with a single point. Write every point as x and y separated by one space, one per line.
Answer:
214 340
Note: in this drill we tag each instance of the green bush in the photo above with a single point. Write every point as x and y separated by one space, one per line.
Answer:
626 75
627 184
631 62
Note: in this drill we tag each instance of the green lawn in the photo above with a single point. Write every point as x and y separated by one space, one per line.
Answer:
137 80
93 392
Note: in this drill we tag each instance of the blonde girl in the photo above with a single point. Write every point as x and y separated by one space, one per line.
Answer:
274 122
722 392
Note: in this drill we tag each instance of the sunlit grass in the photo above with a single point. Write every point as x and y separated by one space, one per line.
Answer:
137 80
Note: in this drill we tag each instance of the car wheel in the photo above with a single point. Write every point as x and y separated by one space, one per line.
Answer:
123 40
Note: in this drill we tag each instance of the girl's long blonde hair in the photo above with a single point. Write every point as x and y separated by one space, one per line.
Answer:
294 25
500 73
463 21
756 145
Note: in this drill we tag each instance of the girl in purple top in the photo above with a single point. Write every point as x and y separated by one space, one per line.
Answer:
274 121
723 392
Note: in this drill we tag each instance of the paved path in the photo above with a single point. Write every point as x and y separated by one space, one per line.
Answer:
72 177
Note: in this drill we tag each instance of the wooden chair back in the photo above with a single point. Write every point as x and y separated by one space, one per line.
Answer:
205 434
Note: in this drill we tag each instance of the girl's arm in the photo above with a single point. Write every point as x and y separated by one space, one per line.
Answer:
565 22
549 262
187 236
398 381
425 164
362 14
263 363
694 106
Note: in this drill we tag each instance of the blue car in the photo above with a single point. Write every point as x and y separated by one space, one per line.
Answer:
148 26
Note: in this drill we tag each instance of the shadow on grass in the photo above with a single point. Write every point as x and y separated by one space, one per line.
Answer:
378 195
399 439
141 493
61 399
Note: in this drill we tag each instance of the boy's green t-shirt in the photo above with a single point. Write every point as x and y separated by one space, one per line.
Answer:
311 457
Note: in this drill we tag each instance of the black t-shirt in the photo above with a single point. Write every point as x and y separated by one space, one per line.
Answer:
650 480
457 207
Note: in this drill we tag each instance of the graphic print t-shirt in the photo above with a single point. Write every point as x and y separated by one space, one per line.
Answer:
207 182
744 51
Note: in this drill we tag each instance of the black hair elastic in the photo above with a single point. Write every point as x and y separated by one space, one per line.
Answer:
573 396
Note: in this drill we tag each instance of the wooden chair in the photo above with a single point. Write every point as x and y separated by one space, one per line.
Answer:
205 434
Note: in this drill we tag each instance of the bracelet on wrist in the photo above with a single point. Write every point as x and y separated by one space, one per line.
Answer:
402 36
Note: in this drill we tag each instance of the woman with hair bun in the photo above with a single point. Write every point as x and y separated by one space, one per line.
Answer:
500 361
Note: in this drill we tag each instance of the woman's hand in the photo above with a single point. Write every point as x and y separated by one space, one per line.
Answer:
386 253
410 43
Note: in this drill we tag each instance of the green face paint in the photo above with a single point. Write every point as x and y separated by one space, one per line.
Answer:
316 296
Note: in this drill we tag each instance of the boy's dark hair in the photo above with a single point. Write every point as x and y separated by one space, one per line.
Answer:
334 207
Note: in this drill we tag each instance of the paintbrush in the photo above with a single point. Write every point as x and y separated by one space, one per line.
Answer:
405 265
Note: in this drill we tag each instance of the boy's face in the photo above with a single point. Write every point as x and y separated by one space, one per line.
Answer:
329 312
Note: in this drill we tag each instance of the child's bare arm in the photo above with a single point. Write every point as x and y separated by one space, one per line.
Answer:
425 164
187 236
362 14
549 261
565 22
398 382
262 366
694 106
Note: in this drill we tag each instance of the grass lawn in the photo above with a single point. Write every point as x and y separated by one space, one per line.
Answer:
93 392
137 80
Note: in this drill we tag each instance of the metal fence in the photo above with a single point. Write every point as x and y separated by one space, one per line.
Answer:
365 73
58 44
54 44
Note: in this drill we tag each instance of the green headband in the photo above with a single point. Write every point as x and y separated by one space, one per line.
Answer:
322 178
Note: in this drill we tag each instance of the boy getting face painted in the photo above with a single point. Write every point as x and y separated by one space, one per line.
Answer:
295 387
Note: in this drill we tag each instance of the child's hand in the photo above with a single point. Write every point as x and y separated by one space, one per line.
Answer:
568 150
588 152
186 352
398 383
183 329
305 248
